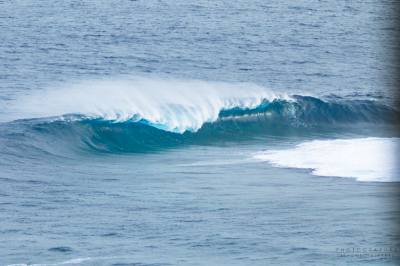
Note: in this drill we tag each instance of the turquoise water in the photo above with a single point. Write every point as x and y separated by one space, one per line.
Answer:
198 133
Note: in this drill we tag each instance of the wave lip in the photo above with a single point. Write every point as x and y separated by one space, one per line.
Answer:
365 159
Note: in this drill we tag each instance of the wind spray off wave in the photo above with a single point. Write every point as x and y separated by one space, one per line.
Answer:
172 105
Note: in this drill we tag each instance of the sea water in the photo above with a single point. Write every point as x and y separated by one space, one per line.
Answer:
198 133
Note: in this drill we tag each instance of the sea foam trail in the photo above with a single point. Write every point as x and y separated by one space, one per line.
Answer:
168 104
366 159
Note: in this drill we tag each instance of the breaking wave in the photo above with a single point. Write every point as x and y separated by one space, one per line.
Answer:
141 114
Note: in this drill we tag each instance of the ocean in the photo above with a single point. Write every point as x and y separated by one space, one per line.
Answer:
219 132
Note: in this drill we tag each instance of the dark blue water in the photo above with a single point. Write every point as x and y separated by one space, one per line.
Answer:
131 132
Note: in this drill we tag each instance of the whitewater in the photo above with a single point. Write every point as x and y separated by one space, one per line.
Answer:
366 159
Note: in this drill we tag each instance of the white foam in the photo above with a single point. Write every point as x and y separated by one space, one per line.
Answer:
366 159
174 105
67 262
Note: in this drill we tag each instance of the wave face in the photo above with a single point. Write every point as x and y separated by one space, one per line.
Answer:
139 114
366 159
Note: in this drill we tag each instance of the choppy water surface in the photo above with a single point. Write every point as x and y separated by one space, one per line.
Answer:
198 133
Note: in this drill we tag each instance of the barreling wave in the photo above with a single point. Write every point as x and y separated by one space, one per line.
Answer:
279 117
143 115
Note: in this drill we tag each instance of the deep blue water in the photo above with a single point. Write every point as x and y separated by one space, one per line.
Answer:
129 132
